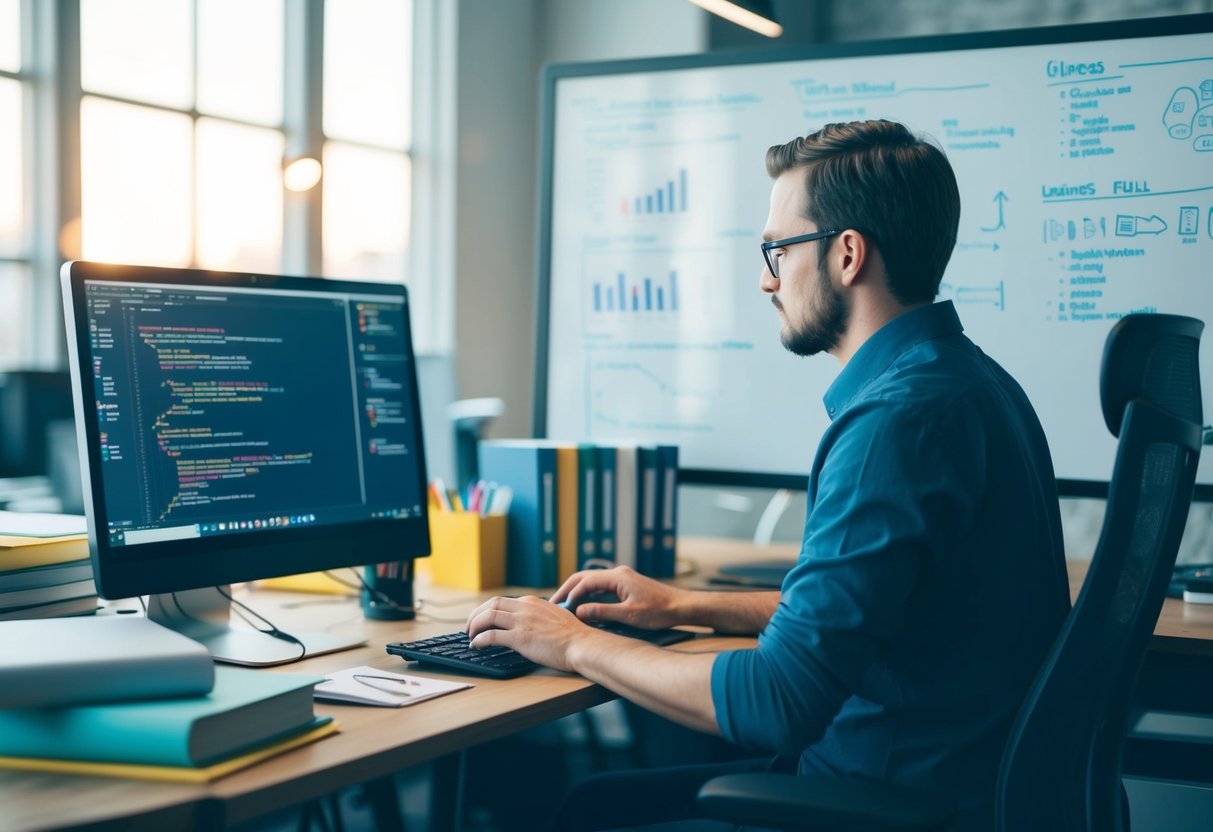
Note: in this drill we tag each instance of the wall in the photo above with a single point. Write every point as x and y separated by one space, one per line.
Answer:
502 46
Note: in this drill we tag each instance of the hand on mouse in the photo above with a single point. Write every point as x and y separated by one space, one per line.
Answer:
643 602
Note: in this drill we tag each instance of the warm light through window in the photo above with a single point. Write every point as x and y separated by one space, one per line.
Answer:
12 168
14 312
10 35
240 59
366 213
239 197
367 71
136 183
139 49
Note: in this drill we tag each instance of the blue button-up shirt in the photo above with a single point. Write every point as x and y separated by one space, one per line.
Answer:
931 580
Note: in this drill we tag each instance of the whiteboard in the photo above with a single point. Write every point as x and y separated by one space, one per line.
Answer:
1085 165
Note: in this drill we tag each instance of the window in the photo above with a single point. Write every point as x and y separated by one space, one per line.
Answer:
367 171
181 132
15 255
175 120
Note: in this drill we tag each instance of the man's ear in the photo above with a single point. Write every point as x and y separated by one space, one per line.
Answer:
852 253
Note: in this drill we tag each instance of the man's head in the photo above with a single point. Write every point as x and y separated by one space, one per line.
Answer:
894 200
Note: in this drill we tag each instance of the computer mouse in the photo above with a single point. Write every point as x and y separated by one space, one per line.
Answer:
592 598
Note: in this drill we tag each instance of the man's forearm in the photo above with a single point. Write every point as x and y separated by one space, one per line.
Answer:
728 612
677 686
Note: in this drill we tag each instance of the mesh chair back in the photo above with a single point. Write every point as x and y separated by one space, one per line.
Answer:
1062 765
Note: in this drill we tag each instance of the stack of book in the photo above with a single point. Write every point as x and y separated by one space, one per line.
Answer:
125 697
574 503
44 566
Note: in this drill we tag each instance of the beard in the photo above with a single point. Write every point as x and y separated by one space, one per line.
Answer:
827 322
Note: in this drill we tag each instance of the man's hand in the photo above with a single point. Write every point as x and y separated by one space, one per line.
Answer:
675 685
538 629
643 602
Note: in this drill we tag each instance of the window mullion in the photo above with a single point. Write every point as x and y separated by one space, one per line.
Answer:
303 119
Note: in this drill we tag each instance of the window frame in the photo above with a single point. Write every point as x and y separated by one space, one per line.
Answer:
50 47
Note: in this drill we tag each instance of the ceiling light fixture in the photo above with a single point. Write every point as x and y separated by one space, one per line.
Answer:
755 15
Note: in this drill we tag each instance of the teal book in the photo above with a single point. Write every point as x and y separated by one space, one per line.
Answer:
648 502
589 503
245 709
528 467
667 521
606 502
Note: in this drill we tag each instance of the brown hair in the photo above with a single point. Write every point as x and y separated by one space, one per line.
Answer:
890 185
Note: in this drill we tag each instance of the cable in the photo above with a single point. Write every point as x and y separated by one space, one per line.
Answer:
240 607
379 596
273 630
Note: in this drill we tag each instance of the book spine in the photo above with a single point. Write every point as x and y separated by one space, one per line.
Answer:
606 503
102 735
113 679
589 504
42 554
625 506
46 594
567 498
529 469
668 537
648 499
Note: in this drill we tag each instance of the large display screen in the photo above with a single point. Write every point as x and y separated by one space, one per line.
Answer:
1085 162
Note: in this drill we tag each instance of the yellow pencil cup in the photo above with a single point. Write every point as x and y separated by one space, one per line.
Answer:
467 550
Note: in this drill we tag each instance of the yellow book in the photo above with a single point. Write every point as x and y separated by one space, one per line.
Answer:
566 511
20 552
318 582
174 774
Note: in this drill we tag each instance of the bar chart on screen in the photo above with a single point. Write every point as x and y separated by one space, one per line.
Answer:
651 291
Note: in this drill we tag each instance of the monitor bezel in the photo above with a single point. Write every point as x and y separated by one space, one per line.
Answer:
554 73
174 566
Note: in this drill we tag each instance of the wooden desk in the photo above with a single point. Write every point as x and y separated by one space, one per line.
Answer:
372 743
1184 628
375 742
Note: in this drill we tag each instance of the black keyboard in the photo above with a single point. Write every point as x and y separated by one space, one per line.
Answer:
452 650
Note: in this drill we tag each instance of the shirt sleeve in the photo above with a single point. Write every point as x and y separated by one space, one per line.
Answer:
892 488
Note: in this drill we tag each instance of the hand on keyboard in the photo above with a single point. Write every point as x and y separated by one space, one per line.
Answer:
454 650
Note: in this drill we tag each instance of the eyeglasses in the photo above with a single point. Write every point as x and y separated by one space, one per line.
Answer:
768 247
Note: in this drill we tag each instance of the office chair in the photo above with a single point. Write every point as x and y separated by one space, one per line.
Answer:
1061 767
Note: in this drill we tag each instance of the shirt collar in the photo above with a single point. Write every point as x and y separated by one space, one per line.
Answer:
886 345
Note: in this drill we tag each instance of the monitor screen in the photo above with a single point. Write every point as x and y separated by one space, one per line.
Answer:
242 426
1084 157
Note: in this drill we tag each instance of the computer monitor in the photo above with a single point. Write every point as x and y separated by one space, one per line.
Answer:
241 426
1084 156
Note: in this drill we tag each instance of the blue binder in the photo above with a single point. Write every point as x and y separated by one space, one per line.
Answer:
529 469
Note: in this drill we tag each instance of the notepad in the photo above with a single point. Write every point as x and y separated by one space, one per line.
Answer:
366 685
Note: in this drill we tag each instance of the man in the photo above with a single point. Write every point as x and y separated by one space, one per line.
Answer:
931 579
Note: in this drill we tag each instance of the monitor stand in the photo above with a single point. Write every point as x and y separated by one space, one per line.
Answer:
205 616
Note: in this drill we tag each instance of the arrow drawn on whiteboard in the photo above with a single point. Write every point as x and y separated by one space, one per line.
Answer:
1001 199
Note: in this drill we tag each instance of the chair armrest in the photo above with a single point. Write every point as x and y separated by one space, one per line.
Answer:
788 801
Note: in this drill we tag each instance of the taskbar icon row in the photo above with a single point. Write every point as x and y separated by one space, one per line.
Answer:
277 522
